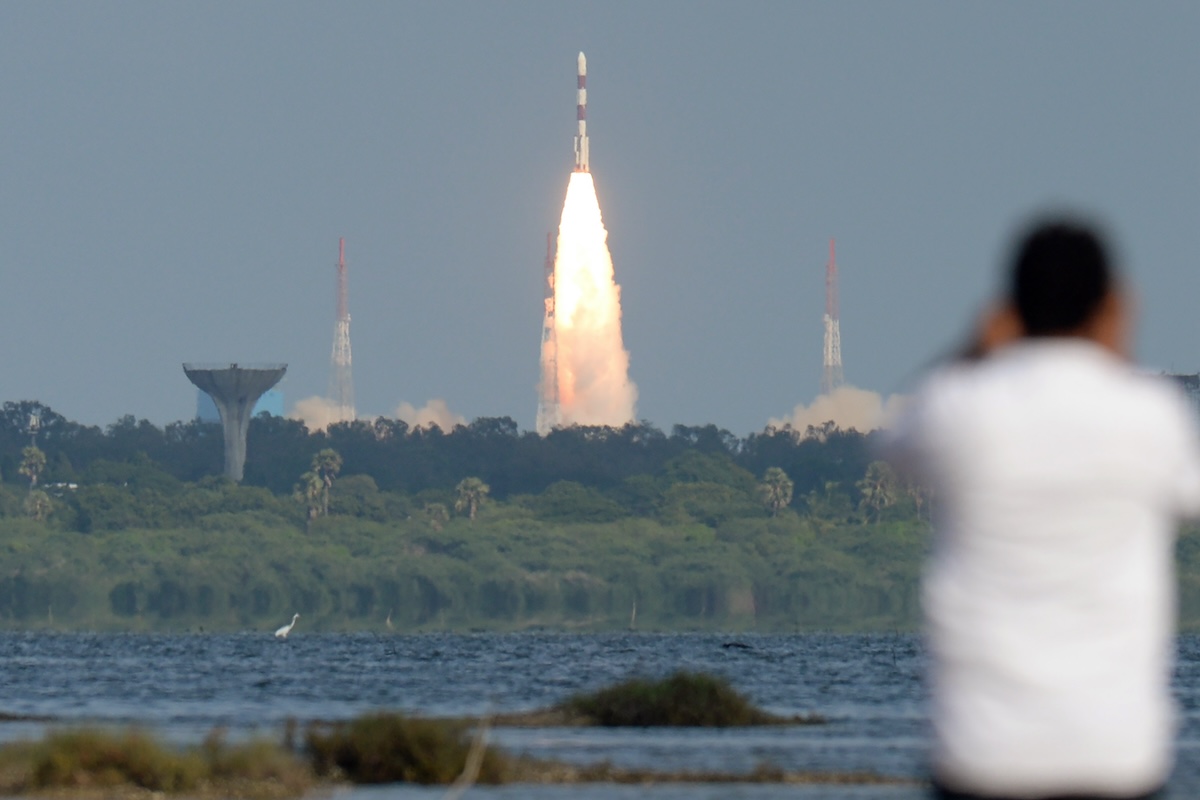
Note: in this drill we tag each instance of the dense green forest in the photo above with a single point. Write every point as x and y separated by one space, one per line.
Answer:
375 526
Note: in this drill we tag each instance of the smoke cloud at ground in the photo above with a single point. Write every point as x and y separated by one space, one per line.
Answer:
847 407
318 413
435 412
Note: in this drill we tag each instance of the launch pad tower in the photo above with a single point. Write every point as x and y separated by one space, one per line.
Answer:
831 375
341 382
547 413
235 390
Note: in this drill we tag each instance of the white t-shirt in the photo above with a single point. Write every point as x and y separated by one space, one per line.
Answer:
1059 474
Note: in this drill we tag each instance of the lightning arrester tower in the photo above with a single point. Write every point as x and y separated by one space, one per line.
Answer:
547 413
831 376
341 382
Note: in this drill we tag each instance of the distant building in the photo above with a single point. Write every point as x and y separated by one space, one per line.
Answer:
1191 386
206 409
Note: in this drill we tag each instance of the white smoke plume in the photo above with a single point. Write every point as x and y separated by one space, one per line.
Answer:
435 412
318 413
847 407
587 362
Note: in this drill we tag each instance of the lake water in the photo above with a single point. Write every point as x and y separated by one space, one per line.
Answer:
181 686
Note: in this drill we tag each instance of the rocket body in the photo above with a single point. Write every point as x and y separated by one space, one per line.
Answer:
581 138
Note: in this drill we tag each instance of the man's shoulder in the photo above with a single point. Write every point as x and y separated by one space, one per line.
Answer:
1148 389
1022 375
1171 399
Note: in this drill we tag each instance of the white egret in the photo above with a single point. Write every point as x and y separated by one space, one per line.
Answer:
286 629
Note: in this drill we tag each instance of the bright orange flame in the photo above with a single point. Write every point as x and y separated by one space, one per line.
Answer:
587 358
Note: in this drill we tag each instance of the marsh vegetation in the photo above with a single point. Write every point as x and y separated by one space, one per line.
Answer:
376 526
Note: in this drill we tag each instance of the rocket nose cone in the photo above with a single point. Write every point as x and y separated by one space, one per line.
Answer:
582 64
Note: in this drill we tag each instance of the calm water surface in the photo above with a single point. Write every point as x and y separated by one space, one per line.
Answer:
182 686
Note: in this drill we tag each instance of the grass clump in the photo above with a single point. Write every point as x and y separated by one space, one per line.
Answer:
98 759
89 762
257 768
389 747
684 699
376 748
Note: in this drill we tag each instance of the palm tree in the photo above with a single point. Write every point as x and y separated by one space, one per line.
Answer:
919 495
829 505
437 514
33 462
309 491
471 494
326 464
38 505
775 489
878 488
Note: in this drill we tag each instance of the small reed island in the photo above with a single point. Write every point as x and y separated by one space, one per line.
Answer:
684 699
388 747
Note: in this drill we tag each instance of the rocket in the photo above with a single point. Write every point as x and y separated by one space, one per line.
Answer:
581 142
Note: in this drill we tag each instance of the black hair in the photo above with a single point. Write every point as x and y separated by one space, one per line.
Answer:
1060 276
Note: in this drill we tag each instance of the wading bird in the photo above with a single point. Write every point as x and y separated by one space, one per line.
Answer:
286 629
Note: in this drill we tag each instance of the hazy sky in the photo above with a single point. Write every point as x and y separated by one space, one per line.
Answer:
174 178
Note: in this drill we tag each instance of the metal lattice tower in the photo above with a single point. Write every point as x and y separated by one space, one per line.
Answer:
547 413
831 375
341 381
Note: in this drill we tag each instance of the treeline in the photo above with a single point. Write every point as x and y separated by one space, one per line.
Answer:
506 570
631 466
378 526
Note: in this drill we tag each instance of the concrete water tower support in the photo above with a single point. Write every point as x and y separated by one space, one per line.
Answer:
235 390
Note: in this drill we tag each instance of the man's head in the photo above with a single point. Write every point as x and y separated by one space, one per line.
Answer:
1061 281
1062 284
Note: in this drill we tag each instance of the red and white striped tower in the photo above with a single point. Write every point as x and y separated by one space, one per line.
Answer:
831 375
341 382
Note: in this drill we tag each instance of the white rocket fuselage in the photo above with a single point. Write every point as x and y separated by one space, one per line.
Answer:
581 139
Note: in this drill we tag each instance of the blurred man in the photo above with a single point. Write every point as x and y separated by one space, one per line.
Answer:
1059 473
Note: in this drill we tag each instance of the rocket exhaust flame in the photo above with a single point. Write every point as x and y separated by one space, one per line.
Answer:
585 367
584 364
